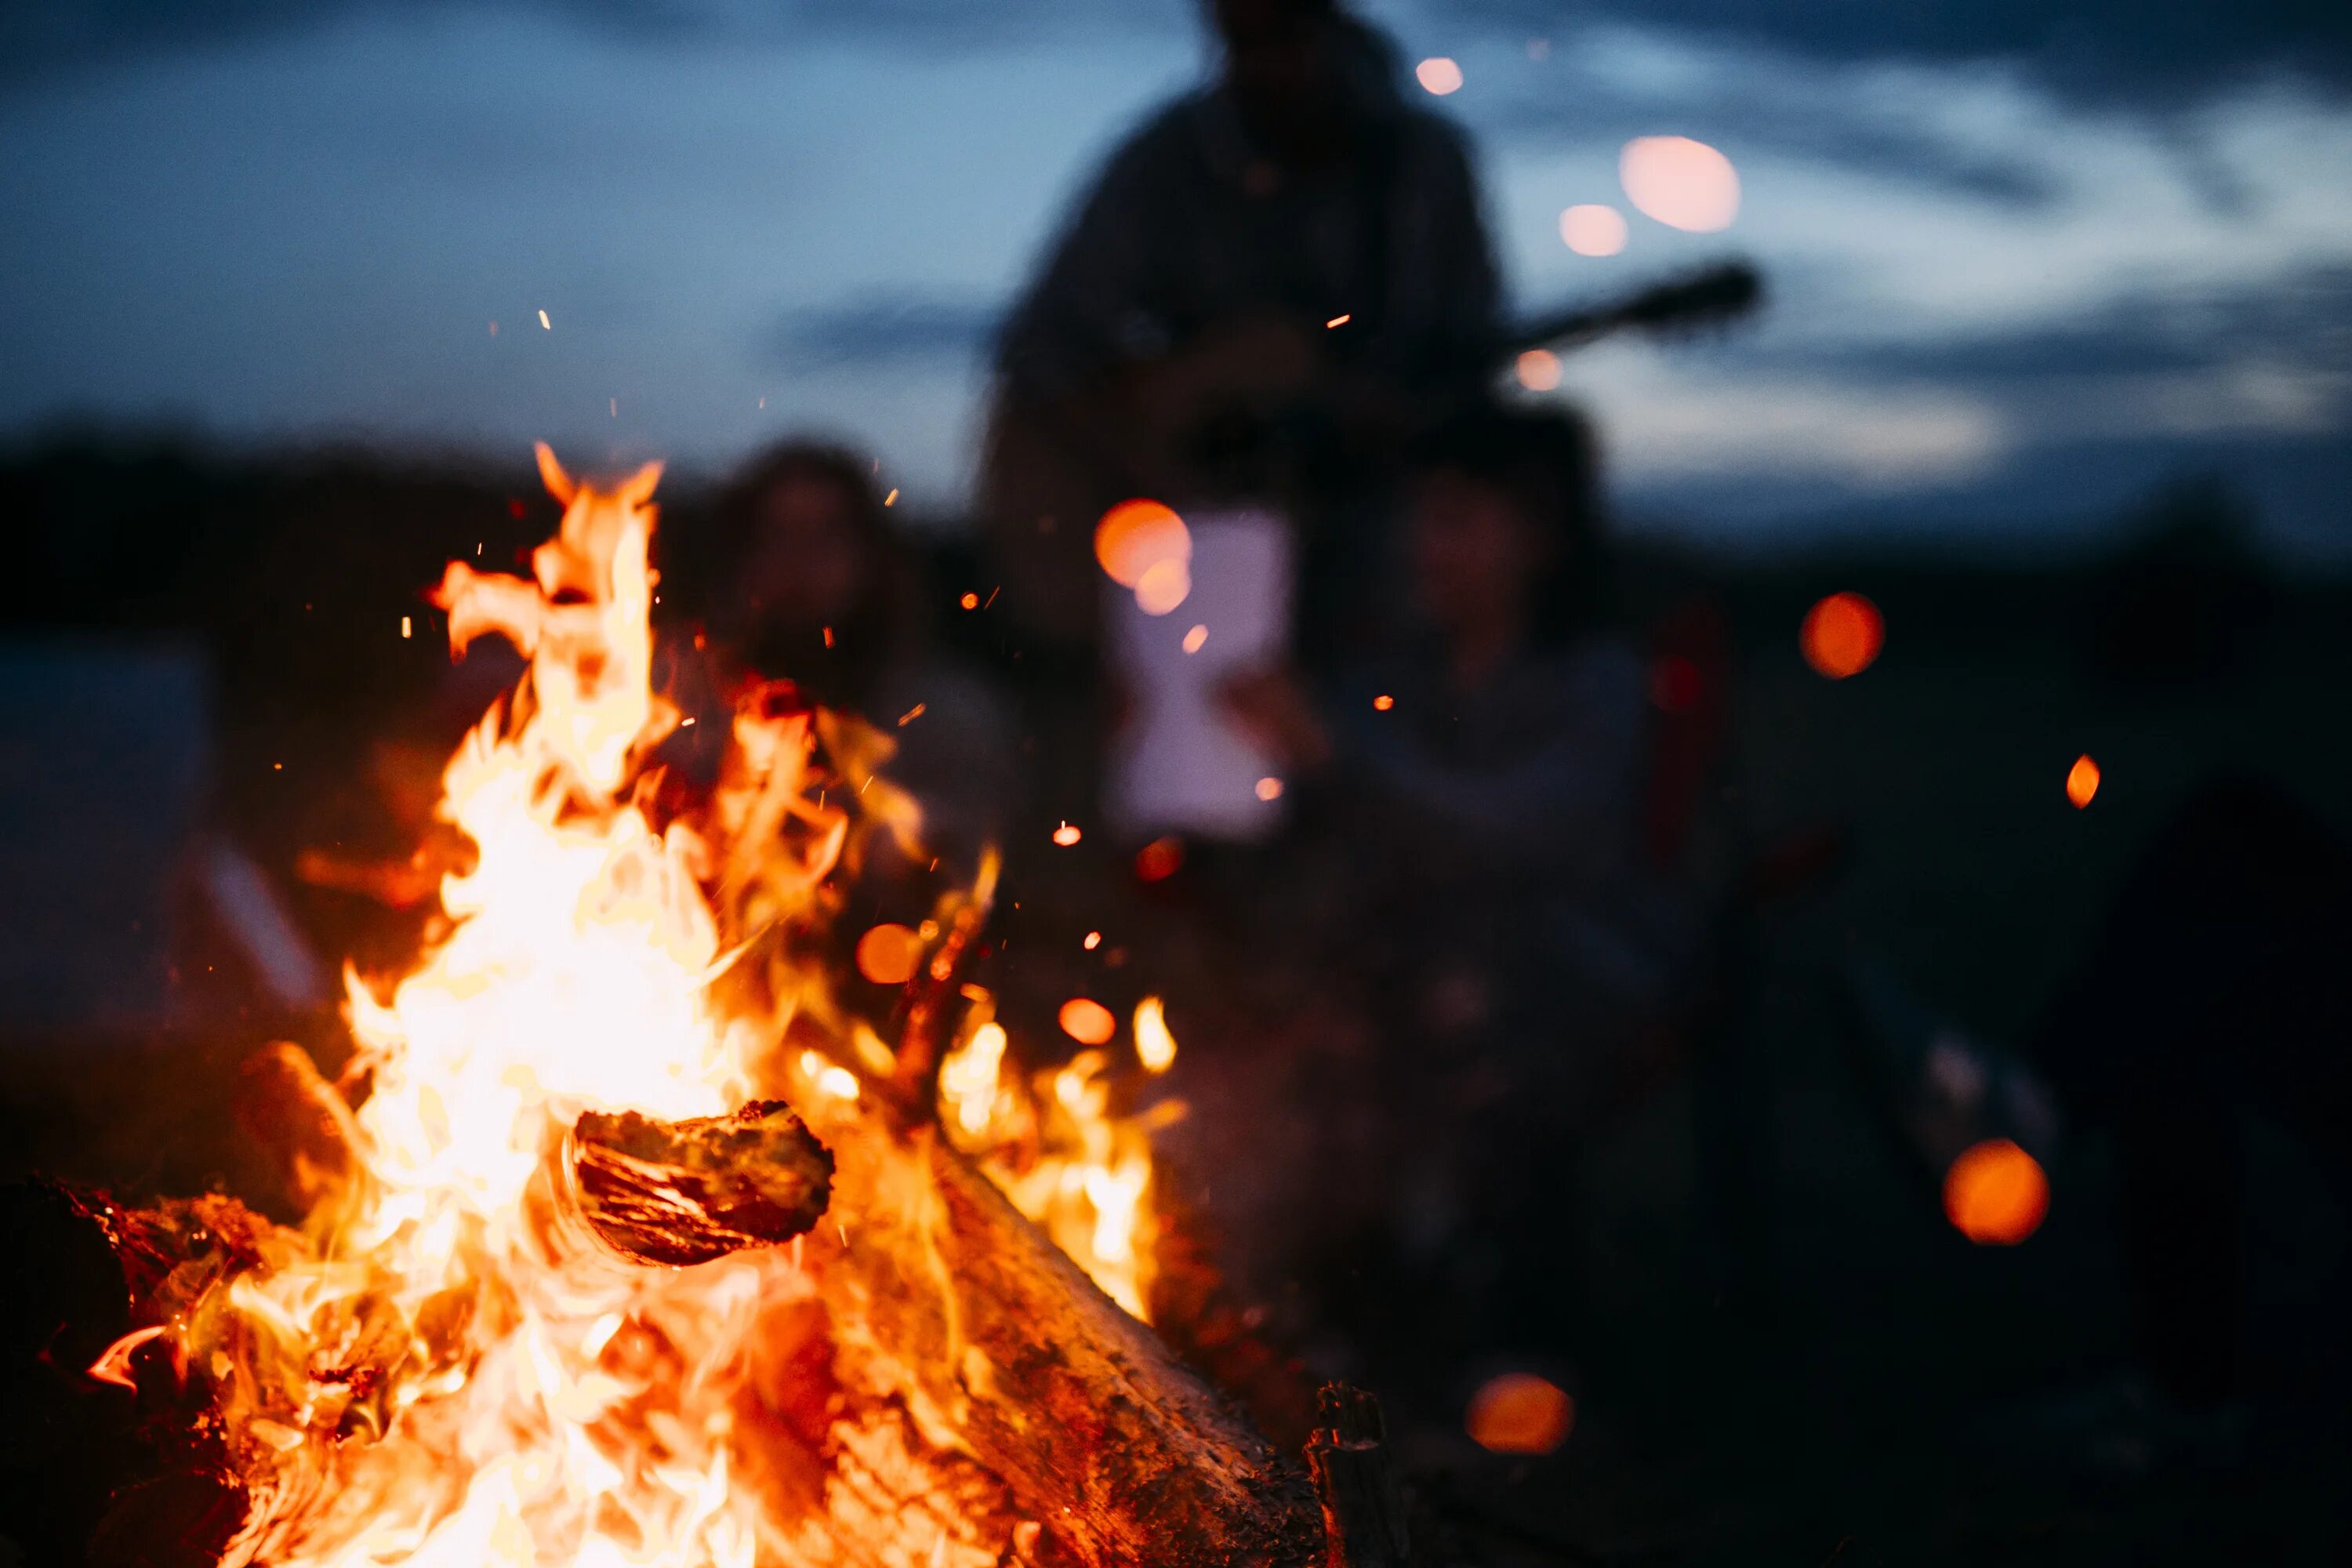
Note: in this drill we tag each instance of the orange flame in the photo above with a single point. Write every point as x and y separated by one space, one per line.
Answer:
437 1372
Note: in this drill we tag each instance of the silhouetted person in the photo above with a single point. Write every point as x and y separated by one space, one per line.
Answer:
813 586
1176 344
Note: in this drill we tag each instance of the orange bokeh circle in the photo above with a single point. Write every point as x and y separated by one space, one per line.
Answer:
1519 1413
887 955
1087 1021
1134 536
1995 1194
1841 636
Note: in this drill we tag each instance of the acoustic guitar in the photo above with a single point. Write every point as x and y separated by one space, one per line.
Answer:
1258 407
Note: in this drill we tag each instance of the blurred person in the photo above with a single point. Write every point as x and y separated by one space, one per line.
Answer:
1275 278
2214 987
810 584
1484 785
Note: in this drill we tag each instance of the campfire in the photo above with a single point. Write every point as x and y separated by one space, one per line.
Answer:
629 1241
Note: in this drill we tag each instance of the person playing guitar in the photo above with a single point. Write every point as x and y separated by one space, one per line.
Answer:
1271 277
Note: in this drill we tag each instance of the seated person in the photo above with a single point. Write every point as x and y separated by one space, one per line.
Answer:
1484 781
813 587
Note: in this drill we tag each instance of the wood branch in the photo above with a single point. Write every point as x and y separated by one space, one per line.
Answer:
680 1192
999 1345
1355 1476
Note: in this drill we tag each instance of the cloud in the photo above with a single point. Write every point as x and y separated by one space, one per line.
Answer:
2176 49
878 329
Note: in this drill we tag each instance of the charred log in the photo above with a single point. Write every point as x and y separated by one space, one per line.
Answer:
1355 1476
1001 1346
680 1192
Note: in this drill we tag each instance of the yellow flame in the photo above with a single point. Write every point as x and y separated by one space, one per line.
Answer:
434 1375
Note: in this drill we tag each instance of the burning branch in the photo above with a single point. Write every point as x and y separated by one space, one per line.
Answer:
681 1192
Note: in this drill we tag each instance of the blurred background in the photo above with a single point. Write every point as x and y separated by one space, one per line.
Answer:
2033 459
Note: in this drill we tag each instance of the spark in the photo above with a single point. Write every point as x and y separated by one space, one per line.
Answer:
892 499
1067 835
1383 702
1093 941
969 601
1338 320
911 714
545 323
405 631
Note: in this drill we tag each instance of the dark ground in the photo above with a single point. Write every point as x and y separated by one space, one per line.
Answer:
1847 1412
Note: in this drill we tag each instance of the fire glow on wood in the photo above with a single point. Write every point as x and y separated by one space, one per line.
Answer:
538 1312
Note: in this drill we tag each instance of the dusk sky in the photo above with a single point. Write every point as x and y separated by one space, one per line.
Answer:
2026 264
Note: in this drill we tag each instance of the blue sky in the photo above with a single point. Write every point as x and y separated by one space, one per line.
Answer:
2027 261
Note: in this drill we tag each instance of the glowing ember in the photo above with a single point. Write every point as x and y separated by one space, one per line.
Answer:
1841 636
1067 835
1519 1413
1995 1194
2081 781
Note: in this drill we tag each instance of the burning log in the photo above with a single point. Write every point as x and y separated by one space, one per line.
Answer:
1002 1347
1363 1509
680 1192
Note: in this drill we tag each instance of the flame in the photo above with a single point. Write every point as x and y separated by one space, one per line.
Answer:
439 1370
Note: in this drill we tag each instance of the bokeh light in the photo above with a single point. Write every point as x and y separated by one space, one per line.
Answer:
1995 1194
1195 639
1841 636
1519 1413
1159 859
1680 182
1087 1021
887 955
1538 369
1165 587
1270 788
1591 228
1137 535
1438 75
2081 781
1067 835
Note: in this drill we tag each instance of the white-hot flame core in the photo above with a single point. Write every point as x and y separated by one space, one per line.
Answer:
573 977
